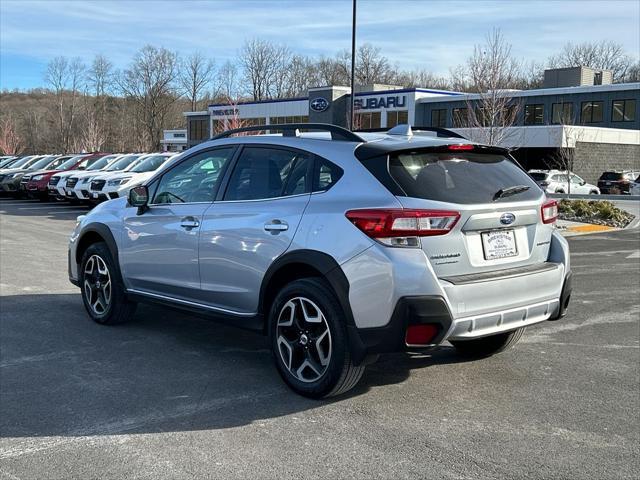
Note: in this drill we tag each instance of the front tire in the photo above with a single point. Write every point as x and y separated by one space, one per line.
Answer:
103 292
309 340
487 346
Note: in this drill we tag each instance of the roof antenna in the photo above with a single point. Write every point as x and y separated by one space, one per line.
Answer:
402 129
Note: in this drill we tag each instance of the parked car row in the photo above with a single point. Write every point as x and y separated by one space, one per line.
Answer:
88 177
611 182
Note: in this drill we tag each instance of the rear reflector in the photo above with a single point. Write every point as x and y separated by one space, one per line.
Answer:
418 335
390 223
549 211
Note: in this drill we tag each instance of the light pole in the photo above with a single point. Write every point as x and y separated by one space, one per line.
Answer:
353 67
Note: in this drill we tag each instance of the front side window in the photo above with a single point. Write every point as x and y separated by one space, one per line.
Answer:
592 112
193 180
623 111
263 172
534 114
562 113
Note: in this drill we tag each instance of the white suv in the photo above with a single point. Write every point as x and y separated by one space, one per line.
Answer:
338 247
557 181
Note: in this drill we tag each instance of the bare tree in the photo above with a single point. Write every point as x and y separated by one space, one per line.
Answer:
605 54
100 76
195 77
65 79
371 65
264 67
11 141
150 83
93 136
490 72
227 80
232 121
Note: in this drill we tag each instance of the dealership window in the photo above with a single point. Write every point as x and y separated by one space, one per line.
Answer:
198 129
397 117
289 119
534 114
367 120
439 118
562 113
623 111
460 117
592 112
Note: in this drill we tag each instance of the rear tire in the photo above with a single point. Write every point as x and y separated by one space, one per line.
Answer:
103 292
487 346
309 340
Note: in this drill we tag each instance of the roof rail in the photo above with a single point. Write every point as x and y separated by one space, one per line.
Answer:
407 130
293 130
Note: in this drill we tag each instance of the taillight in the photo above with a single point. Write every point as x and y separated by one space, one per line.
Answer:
549 211
400 227
461 146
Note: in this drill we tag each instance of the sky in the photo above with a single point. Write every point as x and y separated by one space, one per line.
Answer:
430 34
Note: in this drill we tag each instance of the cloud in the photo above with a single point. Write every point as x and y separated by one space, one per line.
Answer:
414 34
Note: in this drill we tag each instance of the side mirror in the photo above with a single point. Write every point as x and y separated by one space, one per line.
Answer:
583 183
139 197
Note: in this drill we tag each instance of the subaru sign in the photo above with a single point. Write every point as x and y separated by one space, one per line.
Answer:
507 218
319 104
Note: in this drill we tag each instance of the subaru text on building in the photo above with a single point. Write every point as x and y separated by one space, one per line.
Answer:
338 246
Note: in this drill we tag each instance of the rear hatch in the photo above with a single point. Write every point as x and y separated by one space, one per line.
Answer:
499 207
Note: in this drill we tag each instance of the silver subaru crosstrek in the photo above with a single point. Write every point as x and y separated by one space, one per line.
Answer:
338 246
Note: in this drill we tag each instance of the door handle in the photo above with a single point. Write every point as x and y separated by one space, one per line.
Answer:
276 226
189 222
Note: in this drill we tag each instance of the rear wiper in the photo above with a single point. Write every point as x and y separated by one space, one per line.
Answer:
507 192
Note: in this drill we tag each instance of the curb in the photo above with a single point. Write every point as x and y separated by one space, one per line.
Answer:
587 229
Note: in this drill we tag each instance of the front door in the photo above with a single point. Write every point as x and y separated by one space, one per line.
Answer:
253 224
160 246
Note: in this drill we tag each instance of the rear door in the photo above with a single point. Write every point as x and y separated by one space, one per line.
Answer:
252 224
497 228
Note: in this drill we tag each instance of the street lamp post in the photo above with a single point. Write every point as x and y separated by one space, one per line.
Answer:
353 67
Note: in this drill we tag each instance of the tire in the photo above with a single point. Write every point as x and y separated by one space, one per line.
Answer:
103 292
560 191
593 192
487 346
315 335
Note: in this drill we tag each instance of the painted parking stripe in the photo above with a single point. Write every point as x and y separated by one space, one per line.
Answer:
57 212
44 207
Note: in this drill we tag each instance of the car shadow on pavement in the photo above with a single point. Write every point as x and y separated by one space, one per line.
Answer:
62 374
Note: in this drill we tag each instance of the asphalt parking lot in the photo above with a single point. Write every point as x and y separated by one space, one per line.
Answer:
173 396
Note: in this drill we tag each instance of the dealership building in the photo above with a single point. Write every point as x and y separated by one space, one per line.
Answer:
577 108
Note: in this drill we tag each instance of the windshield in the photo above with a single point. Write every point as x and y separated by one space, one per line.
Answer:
461 177
122 163
43 162
7 162
70 162
538 176
150 163
611 176
101 163
57 162
22 162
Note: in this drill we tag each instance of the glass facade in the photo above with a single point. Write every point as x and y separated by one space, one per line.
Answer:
397 117
592 112
367 120
198 129
562 113
534 114
439 118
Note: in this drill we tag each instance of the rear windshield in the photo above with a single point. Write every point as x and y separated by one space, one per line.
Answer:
461 177
611 176
538 176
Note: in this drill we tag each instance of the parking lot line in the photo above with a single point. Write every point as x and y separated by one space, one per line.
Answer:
68 211
43 207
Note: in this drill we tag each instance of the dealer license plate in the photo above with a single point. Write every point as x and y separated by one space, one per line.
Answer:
94 194
499 244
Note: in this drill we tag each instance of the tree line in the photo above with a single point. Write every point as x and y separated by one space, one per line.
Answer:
92 107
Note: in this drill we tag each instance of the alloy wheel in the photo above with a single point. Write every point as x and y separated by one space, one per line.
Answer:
303 339
97 284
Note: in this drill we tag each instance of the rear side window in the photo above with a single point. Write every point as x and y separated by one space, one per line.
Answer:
327 174
459 177
263 173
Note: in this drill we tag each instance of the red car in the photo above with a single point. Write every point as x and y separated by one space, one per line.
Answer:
38 184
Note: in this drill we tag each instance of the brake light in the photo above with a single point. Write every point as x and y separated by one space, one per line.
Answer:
458 147
400 227
549 211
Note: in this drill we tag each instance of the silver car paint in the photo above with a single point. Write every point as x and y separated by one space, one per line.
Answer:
235 250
